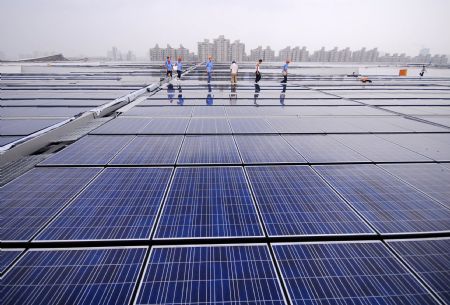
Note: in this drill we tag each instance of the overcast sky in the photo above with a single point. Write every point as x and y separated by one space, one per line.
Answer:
91 27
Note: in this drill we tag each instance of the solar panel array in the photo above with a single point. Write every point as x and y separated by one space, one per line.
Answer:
323 191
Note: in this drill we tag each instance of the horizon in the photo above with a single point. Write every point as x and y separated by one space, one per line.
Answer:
393 27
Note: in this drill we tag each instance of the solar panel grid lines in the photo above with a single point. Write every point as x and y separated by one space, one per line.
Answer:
208 202
122 126
429 259
209 149
250 125
33 199
8 256
90 150
261 149
432 179
323 148
214 274
377 149
363 272
149 151
74 276
163 126
390 205
208 126
295 201
120 204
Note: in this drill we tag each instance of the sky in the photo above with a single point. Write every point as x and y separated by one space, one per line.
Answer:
92 27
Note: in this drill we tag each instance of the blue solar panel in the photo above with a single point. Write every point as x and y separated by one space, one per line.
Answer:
150 150
347 273
76 276
434 146
208 126
207 111
23 127
227 274
122 126
432 179
250 125
430 259
209 150
323 149
31 200
389 204
121 203
7 257
166 126
294 200
156 111
90 150
377 149
257 149
295 125
208 202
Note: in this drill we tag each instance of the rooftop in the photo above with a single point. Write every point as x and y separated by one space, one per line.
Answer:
324 190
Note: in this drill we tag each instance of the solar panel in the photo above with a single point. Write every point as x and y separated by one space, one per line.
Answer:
430 259
266 149
89 150
377 149
24 127
443 120
208 126
8 139
75 276
208 202
150 150
7 258
157 111
295 201
295 125
209 150
250 125
432 179
347 273
323 149
41 111
31 200
207 111
121 203
226 274
166 126
389 204
434 146
122 126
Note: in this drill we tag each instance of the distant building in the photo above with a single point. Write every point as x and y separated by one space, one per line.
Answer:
205 49
221 49
285 54
130 56
299 55
238 51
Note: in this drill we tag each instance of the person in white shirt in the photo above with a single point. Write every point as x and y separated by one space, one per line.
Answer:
234 71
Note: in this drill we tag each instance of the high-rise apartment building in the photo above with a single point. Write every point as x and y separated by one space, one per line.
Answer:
238 51
205 49
221 49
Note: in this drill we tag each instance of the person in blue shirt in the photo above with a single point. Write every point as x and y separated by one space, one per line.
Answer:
180 67
209 68
169 67
284 72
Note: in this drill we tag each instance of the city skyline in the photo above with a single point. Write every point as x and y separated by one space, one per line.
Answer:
89 28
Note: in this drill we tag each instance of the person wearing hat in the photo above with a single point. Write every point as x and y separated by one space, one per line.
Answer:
234 71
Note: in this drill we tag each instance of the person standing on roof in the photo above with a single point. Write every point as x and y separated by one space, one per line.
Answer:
234 71
258 71
284 72
180 67
209 68
169 67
